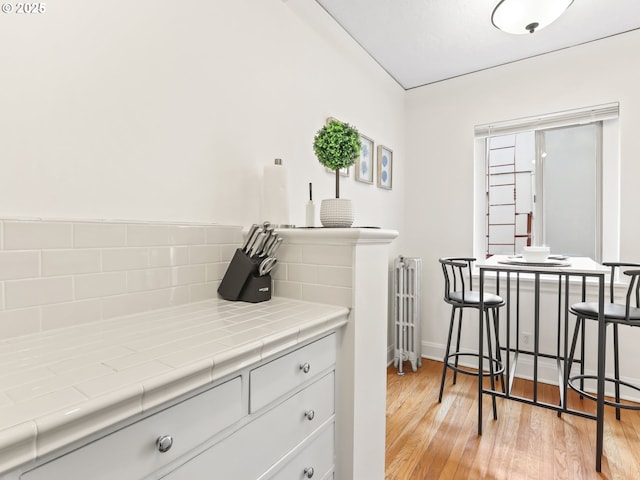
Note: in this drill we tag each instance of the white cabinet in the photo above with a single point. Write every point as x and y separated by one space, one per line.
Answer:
253 449
132 452
271 418
303 382
285 373
313 461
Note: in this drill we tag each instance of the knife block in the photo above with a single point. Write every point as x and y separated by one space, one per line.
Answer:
242 282
256 289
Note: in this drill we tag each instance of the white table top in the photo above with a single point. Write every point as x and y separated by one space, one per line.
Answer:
60 386
576 265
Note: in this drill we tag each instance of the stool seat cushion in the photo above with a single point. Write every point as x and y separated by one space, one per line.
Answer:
472 298
612 311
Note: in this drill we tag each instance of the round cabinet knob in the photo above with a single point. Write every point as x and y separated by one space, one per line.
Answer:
164 443
310 414
305 367
308 472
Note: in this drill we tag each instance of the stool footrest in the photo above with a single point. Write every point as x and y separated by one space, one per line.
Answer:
498 367
611 403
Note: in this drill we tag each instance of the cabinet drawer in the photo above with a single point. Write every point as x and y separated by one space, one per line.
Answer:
131 452
252 450
277 377
316 460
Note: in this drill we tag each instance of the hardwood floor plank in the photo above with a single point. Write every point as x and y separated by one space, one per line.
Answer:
427 440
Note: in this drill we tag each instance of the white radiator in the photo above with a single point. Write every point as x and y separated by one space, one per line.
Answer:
407 341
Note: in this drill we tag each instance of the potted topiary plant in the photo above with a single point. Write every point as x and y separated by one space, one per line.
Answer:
337 145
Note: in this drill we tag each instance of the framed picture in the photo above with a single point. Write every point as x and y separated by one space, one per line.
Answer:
385 167
364 163
343 171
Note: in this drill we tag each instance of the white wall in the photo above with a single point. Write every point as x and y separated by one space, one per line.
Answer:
157 110
152 110
440 151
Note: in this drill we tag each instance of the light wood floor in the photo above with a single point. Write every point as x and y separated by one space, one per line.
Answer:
427 440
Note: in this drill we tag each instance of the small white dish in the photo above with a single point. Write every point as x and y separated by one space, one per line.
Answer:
535 254
551 256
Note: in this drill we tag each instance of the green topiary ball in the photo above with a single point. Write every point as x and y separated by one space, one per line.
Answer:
337 145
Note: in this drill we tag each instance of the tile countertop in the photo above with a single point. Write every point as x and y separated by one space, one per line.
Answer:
60 386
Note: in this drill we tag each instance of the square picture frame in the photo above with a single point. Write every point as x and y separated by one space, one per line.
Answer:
364 163
385 167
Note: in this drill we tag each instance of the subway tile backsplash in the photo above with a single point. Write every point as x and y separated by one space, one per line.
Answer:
30 235
70 262
60 273
37 291
99 235
15 265
316 273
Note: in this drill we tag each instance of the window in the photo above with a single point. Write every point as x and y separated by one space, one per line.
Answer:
510 167
549 180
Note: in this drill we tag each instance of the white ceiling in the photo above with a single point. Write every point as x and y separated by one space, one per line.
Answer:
424 41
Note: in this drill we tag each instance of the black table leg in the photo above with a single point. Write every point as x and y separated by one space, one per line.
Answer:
601 374
480 353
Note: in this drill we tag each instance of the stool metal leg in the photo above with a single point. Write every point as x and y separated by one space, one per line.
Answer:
491 360
582 335
496 335
578 329
446 353
616 366
455 371
451 360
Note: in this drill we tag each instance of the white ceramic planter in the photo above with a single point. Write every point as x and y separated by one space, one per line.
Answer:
336 212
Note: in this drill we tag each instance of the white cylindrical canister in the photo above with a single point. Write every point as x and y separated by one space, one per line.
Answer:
275 195
310 215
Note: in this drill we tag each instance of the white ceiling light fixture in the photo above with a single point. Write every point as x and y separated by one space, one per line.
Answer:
527 16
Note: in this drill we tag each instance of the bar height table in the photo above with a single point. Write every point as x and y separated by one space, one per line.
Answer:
562 270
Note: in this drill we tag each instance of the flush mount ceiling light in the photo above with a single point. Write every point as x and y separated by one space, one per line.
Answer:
527 16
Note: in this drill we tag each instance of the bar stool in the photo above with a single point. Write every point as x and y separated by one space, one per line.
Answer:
457 271
614 314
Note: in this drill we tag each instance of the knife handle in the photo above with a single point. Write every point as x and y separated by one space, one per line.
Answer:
274 247
252 241
268 243
250 233
258 244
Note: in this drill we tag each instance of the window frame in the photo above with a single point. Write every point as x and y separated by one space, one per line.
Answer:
608 204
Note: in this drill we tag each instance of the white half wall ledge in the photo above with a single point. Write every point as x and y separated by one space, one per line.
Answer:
338 236
359 258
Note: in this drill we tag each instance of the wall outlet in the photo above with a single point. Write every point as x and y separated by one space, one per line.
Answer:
525 338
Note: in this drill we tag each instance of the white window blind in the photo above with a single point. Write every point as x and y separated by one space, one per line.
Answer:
579 116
